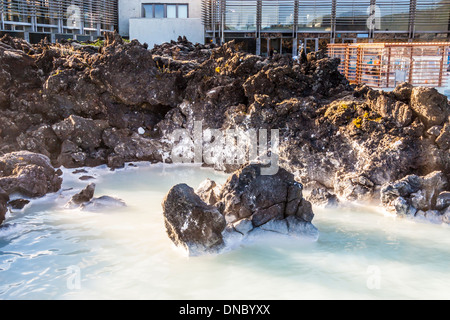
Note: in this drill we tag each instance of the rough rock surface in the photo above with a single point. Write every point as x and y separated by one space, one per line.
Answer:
247 204
431 106
85 201
209 191
18 204
4 198
248 194
103 204
28 173
323 197
419 197
58 99
83 196
84 106
185 54
191 223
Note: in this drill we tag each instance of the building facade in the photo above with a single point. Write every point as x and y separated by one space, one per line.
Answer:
35 20
265 26
155 22
260 26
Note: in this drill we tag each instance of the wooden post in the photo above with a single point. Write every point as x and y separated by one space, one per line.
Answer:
347 61
411 65
388 67
358 65
441 69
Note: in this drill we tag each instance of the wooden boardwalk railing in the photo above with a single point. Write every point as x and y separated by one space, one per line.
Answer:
384 65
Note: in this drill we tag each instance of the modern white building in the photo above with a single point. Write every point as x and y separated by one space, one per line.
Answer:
57 19
159 21
286 26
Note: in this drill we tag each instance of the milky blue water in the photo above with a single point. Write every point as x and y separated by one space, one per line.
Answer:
48 252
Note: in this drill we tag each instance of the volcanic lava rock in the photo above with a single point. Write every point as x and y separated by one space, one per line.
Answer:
400 112
29 174
443 139
248 194
18 204
65 96
18 73
184 51
85 201
71 156
84 133
83 196
322 197
360 142
248 204
42 140
85 178
130 146
191 223
82 105
421 197
103 204
443 200
4 198
132 85
79 171
209 192
431 106
403 92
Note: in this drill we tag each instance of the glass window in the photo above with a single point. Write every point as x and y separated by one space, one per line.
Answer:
432 15
171 11
182 11
393 15
352 15
159 11
240 15
314 15
148 11
277 14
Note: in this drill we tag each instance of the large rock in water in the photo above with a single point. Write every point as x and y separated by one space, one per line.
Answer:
29 174
83 196
190 222
85 201
103 204
248 194
249 203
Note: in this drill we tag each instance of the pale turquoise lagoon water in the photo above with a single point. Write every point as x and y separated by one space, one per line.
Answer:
48 252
